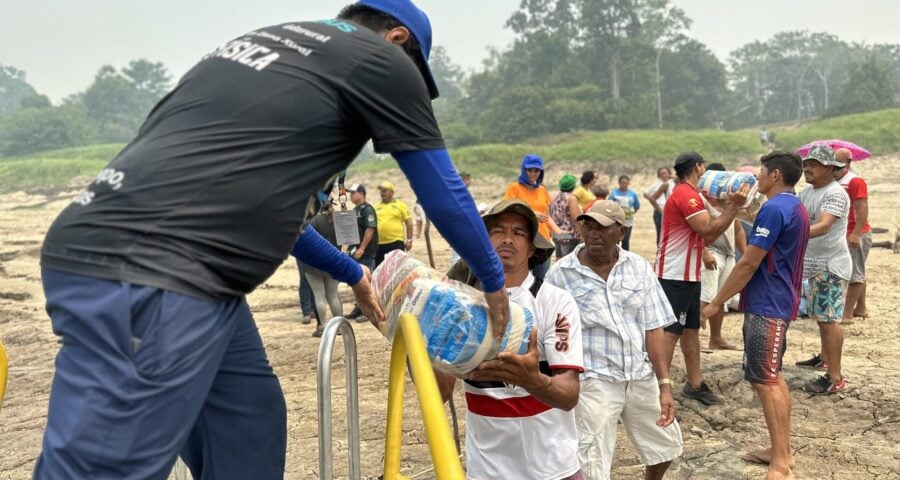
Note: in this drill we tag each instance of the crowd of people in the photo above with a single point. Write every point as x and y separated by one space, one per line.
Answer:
145 277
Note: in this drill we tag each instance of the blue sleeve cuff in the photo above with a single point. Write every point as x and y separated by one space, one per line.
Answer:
448 204
313 250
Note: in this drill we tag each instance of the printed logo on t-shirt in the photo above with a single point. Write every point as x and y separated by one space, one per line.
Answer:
762 232
693 202
562 333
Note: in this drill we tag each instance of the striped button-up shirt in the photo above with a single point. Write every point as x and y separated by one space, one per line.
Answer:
615 313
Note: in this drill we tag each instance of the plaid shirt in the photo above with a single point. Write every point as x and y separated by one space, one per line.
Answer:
615 313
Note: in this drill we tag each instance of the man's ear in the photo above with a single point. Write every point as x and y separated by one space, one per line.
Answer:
397 35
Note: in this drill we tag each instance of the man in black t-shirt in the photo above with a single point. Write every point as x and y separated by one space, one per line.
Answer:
146 271
367 222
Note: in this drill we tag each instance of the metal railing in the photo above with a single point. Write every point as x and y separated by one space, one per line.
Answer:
323 397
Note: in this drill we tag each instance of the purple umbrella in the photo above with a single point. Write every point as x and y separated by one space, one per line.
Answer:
859 153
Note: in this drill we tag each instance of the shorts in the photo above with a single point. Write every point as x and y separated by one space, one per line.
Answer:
825 301
765 341
859 256
713 280
601 404
685 300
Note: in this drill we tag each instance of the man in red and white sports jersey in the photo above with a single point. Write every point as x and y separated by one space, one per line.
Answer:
859 235
679 260
520 421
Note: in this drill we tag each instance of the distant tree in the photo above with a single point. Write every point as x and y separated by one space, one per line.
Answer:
29 130
120 101
871 87
35 101
13 88
447 75
517 114
693 87
149 77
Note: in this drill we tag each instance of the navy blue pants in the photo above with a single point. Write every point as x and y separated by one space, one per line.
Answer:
145 374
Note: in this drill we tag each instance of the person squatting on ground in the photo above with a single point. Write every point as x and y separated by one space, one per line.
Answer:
859 235
657 195
564 210
623 312
395 226
769 277
630 203
367 224
529 187
827 264
686 226
519 420
718 260
146 272
324 287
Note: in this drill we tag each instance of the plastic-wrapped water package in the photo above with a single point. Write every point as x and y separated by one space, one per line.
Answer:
718 185
453 317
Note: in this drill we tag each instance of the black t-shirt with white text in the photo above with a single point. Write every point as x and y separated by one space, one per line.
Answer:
209 197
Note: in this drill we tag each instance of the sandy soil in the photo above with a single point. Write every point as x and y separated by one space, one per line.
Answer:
853 435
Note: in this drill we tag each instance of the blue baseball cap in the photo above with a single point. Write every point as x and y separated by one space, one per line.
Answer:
419 26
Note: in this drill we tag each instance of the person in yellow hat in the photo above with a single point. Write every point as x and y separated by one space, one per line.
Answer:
395 228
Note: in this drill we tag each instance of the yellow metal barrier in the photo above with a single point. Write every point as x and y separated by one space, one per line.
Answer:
408 341
4 372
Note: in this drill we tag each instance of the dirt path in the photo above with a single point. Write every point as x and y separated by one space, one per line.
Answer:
854 435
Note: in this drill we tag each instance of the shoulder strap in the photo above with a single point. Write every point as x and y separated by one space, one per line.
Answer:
536 287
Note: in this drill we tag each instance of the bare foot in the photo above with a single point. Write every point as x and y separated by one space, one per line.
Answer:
722 345
862 314
761 457
773 475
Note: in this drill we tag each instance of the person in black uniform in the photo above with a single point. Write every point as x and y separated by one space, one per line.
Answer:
145 273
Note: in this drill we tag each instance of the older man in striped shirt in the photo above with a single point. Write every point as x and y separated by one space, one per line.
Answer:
623 313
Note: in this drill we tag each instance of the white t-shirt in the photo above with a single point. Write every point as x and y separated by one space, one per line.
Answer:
510 433
661 199
828 252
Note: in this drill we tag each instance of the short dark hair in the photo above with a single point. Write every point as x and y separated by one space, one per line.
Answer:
378 20
716 166
789 163
685 163
624 177
661 169
587 177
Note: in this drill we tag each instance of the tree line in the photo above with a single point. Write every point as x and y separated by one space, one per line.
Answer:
110 110
614 64
573 65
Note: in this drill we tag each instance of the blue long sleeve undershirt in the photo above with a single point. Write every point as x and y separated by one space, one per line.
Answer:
448 204
313 250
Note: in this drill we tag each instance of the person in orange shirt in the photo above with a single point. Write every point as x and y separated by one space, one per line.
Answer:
530 188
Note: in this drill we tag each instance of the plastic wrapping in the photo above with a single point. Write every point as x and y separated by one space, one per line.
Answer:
718 185
453 316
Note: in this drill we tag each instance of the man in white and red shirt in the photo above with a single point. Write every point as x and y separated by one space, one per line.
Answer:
520 421
679 260
859 235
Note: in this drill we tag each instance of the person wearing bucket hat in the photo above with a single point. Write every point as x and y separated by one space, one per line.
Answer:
827 264
520 421
564 210
687 225
200 208
626 366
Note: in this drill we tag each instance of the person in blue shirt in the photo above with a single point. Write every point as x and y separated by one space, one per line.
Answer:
769 277
628 200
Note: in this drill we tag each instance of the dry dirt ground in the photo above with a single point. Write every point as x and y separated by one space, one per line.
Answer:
854 435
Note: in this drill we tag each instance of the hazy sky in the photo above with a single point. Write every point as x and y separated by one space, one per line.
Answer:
61 44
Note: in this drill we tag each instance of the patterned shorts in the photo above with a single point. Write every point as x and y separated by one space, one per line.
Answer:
765 340
825 300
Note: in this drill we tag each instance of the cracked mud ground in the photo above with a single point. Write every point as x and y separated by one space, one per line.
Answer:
854 435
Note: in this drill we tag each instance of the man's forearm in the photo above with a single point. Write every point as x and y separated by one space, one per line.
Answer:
861 213
367 238
718 225
657 350
561 390
409 229
740 276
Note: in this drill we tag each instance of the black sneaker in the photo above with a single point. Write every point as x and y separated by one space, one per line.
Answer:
318 332
355 314
703 394
824 386
814 362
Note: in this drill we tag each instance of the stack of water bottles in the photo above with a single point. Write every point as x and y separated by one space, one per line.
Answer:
718 185
453 316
